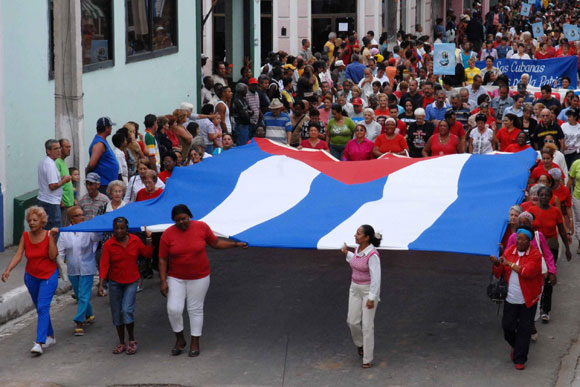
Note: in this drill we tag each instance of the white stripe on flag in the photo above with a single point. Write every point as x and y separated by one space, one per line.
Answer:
413 199
267 189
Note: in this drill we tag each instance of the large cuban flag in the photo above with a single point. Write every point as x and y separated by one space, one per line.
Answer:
270 195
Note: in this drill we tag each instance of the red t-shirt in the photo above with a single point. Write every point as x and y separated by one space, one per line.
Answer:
514 148
427 101
394 145
540 170
527 205
539 55
401 127
164 175
546 221
563 194
506 138
320 145
456 129
185 250
143 195
449 148
38 264
120 263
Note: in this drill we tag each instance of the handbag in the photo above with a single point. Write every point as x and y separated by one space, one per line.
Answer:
544 266
497 290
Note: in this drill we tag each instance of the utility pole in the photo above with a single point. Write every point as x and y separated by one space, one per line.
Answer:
68 80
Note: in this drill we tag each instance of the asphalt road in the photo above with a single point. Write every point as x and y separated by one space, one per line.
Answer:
277 318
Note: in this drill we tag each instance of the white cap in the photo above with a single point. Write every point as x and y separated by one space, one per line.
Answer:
338 63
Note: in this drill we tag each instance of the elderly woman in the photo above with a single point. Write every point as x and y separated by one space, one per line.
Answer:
390 142
185 273
119 265
314 141
365 288
373 128
521 266
481 138
136 182
339 131
419 133
150 191
514 212
549 220
41 275
78 250
116 192
360 147
442 143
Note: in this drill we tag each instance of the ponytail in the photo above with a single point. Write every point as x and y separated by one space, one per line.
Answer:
374 237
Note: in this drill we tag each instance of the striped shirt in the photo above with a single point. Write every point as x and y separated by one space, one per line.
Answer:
277 127
254 102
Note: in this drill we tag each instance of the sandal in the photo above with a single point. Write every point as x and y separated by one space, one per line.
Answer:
360 351
90 320
367 365
120 348
79 332
132 348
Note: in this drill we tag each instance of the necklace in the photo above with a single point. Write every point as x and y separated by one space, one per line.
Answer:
441 140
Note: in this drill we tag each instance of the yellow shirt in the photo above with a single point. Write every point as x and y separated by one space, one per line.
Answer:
330 46
471 73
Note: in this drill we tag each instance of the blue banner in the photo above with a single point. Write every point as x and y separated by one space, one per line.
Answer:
538 29
526 9
571 32
541 72
444 59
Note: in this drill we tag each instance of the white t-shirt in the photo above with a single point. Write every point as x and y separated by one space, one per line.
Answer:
373 130
515 295
571 137
481 141
123 170
48 174
515 55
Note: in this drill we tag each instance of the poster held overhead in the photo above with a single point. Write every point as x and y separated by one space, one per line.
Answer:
444 59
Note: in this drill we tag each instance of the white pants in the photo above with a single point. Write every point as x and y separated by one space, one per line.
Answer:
361 320
576 215
191 291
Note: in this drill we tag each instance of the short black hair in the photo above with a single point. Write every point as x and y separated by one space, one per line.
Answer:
150 120
118 139
546 88
172 155
180 209
207 109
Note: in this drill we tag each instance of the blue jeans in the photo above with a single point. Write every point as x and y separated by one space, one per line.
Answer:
41 291
242 134
122 300
53 212
82 286
336 151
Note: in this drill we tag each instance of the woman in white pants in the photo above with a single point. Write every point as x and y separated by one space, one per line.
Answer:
364 291
184 272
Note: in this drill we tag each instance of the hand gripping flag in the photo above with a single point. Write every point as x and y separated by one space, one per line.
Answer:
271 195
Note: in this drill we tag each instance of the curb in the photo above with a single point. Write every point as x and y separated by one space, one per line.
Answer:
17 302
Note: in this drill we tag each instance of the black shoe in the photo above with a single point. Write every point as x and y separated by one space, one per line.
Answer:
194 353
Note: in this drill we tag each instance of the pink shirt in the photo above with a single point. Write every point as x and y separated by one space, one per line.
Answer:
545 249
355 151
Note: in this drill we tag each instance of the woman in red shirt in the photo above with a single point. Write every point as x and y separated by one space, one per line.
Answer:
390 142
150 191
314 141
543 168
509 133
549 221
184 272
119 265
521 267
41 276
519 145
442 143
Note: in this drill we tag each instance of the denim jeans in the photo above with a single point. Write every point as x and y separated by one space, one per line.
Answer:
122 300
53 213
242 134
336 150
82 286
41 291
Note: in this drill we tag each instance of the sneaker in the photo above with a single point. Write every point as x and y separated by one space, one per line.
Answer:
520 367
535 337
50 341
36 349
139 289
545 318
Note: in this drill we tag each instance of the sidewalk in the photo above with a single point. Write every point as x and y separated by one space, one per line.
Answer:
14 297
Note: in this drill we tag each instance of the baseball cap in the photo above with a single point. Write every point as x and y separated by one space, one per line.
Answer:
104 122
92 177
289 66
357 102
338 63
392 61
252 81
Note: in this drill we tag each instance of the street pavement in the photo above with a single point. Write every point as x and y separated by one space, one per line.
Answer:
277 318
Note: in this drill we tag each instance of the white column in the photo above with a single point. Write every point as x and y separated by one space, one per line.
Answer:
68 79
293 33
360 18
208 37
256 44
275 26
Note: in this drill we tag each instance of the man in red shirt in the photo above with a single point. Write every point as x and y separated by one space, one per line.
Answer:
428 91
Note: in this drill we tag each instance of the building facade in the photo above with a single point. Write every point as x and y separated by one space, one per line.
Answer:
139 57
